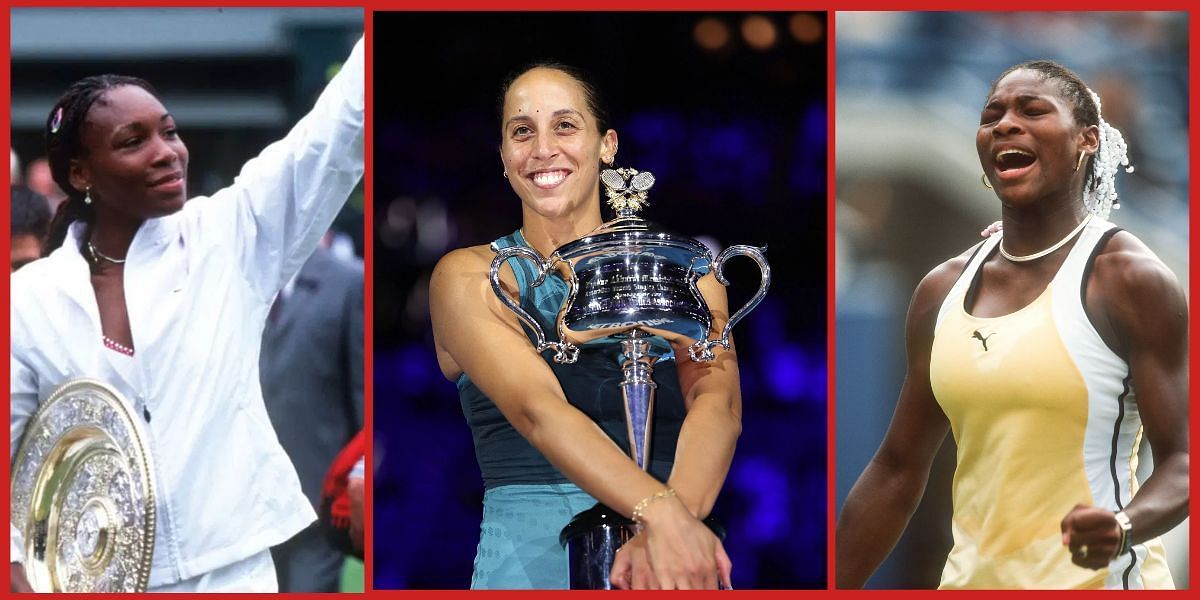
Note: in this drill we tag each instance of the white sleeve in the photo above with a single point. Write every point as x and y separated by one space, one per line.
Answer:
285 199
23 404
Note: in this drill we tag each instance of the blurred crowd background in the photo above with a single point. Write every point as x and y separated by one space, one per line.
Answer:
235 80
910 87
729 113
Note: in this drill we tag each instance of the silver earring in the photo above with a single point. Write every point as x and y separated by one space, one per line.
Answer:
505 174
87 195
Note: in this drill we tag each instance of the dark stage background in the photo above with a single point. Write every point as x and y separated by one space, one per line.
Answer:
736 137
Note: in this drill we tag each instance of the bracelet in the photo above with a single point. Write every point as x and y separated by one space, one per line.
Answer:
1126 528
641 506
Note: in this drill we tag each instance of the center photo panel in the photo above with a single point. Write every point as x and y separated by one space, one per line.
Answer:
575 215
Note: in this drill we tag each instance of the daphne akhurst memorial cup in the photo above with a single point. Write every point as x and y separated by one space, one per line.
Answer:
627 281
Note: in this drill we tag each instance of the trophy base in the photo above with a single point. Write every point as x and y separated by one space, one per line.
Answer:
592 539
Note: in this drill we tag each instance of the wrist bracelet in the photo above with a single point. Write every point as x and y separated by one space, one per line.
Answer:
641 506
1126 528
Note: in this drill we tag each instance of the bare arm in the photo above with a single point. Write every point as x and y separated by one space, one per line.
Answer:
478 335
713 399
883 499
1138 307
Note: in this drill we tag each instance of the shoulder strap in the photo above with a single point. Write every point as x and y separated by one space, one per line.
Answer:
1079 261
955 296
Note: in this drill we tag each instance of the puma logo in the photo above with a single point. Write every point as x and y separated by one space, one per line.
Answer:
981 338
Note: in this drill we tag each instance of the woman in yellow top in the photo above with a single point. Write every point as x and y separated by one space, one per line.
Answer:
1049 350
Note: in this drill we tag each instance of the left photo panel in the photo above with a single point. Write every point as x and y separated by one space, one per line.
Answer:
186 300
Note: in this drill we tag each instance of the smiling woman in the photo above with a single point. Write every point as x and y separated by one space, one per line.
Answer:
546 443
1048 350
553 173
166 301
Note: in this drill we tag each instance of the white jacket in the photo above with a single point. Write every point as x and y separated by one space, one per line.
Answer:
198 286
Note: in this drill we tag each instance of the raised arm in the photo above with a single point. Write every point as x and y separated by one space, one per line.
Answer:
883 499
483 339
1139 307
284 200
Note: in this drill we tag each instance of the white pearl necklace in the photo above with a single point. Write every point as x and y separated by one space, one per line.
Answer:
1037 255
112 344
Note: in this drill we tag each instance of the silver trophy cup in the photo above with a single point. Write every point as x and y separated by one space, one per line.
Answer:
625 283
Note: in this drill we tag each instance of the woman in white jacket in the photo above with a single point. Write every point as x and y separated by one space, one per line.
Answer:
166 301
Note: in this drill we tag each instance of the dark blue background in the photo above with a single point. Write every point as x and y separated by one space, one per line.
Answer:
737 141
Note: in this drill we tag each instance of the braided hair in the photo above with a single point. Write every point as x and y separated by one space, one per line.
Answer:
64 143
1100 191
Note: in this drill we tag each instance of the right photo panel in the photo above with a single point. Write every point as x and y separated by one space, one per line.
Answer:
1011 310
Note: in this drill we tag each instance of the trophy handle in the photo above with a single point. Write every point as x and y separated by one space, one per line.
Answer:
564 352
702 351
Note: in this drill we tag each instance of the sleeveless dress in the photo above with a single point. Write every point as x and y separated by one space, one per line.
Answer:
1045 417
527 501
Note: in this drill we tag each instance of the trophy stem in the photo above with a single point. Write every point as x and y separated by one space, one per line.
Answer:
637 390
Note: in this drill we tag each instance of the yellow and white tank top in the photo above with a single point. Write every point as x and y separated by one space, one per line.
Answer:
1045 417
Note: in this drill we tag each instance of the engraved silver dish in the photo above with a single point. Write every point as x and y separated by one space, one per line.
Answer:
82 493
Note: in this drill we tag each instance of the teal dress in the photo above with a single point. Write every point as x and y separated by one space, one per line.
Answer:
526 501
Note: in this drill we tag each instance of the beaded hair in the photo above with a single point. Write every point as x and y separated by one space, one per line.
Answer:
1101 195
1099 188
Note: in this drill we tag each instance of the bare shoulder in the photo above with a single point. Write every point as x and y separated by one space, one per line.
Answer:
1132 285
458 272
459 296
934 287
1125 265
461 261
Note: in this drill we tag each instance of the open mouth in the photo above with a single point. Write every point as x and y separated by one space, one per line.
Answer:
549 179
1013 161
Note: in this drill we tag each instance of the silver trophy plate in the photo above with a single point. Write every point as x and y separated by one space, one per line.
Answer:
82 493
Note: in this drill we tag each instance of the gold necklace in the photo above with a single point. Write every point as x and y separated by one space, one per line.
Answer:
97 256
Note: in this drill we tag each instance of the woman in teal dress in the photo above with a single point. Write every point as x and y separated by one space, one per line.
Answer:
549 438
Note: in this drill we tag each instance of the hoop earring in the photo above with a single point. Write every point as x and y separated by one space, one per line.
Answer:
1079 162
87 195
505 174
983 178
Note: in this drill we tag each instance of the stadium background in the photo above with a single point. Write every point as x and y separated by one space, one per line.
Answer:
910 87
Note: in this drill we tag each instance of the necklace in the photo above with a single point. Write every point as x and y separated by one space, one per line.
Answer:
112 344
97 256
1037 255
